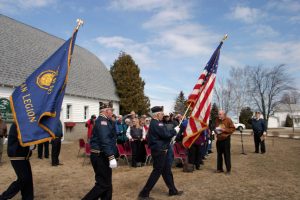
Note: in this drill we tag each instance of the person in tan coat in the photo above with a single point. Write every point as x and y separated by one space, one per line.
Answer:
224 129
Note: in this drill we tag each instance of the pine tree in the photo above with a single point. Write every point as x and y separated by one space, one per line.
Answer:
180 104
213 115
129 85
288 121
245 117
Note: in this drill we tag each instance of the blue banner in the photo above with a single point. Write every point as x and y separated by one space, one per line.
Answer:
36 104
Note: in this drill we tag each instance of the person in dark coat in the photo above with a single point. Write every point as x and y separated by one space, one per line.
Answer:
19 158
43 148
103 151
159 143
56 145
259 132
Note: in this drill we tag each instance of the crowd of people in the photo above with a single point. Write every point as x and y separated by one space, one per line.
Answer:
132 130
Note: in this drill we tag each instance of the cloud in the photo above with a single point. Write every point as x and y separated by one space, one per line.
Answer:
139 51
295 19
187 40
246 14
265 30
167 17
282 53
138 4
17 6
285 5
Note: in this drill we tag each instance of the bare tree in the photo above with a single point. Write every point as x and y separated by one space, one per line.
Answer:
290 99
223 92
239 89
266 85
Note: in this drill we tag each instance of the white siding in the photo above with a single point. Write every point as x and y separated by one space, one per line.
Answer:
5 92
78 103
273 122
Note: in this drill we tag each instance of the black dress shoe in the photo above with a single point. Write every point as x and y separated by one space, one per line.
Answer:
177 193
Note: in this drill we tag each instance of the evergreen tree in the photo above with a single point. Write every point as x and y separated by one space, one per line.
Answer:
245 117
288 121
180 104
129 85
213 115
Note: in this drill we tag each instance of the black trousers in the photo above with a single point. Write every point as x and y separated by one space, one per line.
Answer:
103 175
23 183
55 151
43 146
257 142
194 155
223 148
137 152
162 167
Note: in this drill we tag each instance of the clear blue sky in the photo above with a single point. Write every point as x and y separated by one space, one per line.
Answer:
170 40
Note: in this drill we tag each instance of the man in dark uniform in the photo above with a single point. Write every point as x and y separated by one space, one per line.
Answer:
19 158
56 145
260 131
159 142
103 151
43 147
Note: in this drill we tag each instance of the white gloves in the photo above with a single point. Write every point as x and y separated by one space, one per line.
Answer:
5 140
177 129
113 163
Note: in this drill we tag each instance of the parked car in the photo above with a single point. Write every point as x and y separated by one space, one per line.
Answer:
239 126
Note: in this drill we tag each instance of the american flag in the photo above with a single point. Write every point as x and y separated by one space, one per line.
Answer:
200 100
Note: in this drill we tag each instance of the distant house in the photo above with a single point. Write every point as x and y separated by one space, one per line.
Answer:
24 48
281 111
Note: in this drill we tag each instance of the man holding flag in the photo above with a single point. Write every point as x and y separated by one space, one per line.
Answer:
36 106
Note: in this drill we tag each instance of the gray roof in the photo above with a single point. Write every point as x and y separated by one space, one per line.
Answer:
287 108
24 48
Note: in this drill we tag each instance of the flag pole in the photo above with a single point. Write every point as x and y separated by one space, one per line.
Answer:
185 114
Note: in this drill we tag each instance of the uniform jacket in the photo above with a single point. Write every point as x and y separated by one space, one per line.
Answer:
104 136
159 136
228 125
14 149
258 126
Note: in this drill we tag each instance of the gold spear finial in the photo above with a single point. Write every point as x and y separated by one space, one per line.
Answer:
224 38
79 23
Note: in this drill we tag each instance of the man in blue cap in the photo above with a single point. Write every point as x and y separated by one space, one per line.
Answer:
159 141
103 151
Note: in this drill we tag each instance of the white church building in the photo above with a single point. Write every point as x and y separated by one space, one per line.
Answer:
24 48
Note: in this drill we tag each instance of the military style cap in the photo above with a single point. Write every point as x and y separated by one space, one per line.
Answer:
106 105
157 109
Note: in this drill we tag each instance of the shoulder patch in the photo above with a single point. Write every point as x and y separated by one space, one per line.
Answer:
160 124
104 123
